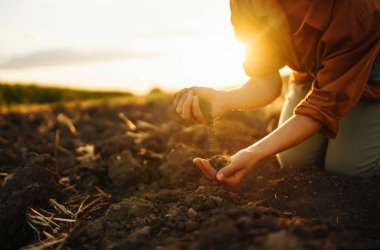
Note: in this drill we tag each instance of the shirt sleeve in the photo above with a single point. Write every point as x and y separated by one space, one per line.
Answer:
346 53
250 22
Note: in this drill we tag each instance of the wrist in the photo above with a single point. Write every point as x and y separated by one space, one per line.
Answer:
224 99
257 152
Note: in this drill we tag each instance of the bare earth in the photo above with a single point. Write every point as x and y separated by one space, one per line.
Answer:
120 176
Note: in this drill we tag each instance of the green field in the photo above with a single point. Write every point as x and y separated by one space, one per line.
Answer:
32 93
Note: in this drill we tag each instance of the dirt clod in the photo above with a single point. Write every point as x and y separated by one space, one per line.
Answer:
31 185
220 161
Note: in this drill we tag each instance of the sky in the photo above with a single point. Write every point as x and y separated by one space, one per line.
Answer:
132 45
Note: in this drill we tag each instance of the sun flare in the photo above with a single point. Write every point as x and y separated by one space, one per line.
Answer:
129 49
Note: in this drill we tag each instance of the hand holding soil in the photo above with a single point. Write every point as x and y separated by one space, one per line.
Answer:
227 170
200 104
220 161
211 166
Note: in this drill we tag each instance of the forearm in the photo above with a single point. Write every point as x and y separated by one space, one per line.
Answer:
256 93
294 131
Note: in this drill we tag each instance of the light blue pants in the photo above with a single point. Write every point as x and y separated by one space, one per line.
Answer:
355 150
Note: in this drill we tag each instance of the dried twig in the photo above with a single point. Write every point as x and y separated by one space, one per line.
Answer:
150 154
81 205
127 121
57 141
43 216
41 245
49 236
68 122
34 229
103 193
63 150
88 205
54 225
64 220
88 152
60 207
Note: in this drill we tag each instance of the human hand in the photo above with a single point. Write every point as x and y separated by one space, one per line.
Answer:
231 175
189 102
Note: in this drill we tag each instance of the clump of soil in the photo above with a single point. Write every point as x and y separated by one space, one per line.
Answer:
31 185
125 172
219 161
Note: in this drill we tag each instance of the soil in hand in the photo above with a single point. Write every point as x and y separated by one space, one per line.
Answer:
219 161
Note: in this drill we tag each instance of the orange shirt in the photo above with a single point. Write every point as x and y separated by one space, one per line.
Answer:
334 45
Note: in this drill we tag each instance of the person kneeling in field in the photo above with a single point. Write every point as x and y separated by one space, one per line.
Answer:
331 115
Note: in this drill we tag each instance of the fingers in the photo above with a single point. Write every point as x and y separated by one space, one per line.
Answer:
197 113
230 169
180 104
178 95
211 174
233 179
231 175
187 107
208 171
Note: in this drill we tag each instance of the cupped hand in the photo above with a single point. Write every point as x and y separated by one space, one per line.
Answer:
187 103
231 175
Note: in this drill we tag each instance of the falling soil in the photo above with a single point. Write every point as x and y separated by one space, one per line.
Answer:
206 109
121 177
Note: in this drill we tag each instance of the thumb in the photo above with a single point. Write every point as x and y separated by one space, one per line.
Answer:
228 171
234 179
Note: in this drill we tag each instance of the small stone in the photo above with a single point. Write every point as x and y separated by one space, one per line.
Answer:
218 201
192 213
173 213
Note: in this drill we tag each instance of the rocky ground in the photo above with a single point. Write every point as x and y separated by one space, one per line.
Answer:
120 176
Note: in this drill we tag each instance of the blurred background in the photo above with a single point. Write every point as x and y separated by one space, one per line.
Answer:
119 44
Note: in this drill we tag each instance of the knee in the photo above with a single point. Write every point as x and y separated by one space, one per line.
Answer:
353 165
297 158
288 159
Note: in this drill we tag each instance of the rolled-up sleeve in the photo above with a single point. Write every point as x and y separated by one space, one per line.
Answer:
345 56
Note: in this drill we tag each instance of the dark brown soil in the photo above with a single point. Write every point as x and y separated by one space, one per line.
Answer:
219 161
135 187
31 185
